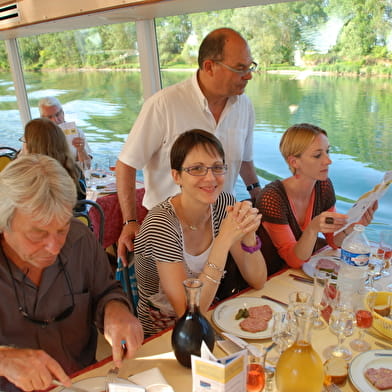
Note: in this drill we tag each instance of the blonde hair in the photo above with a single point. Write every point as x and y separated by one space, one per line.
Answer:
37 185
297 139
45 137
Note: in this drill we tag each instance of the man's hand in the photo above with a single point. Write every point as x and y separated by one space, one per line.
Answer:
122 327
30 369
125 241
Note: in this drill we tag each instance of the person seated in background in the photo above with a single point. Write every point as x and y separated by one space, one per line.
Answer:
296 209
42 136
50 107
56 283
191 234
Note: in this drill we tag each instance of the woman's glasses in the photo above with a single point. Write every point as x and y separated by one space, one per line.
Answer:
201 170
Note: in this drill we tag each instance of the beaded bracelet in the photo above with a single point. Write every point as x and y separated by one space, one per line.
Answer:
252 249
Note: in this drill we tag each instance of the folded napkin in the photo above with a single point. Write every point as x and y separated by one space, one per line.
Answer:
152 380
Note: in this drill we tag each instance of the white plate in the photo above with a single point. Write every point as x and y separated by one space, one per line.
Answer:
364 361
310 266
97 384
224 316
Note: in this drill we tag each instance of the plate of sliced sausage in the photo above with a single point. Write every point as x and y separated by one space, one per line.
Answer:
246 317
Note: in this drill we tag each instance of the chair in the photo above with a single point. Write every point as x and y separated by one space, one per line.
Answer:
84 216
7 154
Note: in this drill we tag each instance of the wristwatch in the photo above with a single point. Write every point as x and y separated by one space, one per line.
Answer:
253 186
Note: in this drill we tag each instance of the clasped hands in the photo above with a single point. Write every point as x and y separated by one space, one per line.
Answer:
242 221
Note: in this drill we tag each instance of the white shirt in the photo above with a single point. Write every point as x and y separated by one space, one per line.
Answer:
177 109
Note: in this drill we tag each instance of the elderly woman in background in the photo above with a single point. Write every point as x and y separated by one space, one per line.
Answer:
297 208
191 234
43 136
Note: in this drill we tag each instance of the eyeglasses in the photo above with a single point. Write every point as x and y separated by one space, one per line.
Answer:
201 170
22 139
62 316
241 72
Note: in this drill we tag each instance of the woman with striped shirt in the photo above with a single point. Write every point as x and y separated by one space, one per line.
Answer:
191 234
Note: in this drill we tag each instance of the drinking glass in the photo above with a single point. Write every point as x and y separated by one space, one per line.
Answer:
298 298
255 379
364 320
320 284
384 251
341 323
373 269
284 332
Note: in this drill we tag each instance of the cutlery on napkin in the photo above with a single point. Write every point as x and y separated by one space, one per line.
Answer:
274 300
302 279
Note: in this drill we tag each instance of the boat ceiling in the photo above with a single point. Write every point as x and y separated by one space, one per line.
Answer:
21 18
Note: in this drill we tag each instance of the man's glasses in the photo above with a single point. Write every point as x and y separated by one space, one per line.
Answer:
201 170
62 316
241 72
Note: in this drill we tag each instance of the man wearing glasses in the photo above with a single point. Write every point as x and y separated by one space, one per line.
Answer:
50 107
56 284
213 100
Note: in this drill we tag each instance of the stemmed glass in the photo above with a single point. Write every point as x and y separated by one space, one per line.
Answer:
364 321
320 283
384 251
374 269
284 332
341 323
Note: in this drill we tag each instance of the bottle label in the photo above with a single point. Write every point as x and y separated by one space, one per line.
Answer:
355 259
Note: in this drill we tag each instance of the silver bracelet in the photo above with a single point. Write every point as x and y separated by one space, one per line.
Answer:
215 267
211 278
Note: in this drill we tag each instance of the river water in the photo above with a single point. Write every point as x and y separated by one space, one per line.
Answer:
357 114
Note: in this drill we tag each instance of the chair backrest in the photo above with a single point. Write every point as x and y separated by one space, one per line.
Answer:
81 212
7 154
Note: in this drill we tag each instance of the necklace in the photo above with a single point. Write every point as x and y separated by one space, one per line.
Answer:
190 226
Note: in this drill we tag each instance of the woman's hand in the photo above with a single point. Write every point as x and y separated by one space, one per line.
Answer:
241 222
367 217
328 222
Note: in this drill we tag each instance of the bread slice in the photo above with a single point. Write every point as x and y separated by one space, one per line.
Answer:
383 310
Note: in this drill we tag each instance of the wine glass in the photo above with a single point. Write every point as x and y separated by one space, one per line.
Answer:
364 320
373 269
341 323
384 251
255 379
297 298
284 331
320 283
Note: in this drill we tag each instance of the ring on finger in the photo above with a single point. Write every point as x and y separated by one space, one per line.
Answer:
329 220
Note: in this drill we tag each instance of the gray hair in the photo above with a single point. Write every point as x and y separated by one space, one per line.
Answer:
38 185
48 101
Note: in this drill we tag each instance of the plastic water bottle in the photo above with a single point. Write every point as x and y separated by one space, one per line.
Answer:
355 252
355 249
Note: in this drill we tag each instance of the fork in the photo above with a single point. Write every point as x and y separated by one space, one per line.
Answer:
111 377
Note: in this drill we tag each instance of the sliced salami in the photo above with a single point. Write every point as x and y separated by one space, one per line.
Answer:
252 324
381 378
263 312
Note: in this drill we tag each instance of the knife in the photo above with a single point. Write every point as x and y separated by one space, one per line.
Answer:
244 345
303 279
382 345
274 300
71 388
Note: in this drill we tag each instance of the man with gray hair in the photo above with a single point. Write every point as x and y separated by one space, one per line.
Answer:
50 107
56 283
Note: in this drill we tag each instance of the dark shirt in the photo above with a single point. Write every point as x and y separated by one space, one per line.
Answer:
72 341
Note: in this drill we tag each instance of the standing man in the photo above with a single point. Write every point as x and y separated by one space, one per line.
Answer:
213 100
56 283
50 107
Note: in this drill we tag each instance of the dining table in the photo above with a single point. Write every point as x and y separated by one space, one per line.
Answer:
157 351
104 191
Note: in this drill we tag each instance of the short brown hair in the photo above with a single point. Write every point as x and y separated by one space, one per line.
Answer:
188 140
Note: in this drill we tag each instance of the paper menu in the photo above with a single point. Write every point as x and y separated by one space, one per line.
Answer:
226 374
366 200
70 130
